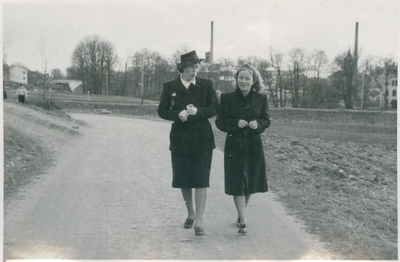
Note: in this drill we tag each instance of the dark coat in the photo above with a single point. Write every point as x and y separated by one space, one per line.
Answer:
244 153
194 135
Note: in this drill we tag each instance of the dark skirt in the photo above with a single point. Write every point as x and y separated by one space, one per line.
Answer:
191 171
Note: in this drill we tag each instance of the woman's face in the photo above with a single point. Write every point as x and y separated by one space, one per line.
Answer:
190 72
245 81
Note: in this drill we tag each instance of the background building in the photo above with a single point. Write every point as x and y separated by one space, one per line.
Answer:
19 74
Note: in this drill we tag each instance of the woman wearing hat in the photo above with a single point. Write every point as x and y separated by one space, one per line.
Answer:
189 101
244 117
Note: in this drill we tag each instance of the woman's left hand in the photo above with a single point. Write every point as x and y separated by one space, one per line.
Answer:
192 110
253 124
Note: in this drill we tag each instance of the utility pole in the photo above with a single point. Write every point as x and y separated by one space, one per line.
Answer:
142 80
45 81
107 75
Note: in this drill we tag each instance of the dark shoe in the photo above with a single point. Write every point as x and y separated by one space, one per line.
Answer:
242 228
188 223
198 231
238 222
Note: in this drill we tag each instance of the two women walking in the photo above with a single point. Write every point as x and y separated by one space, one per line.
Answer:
189 101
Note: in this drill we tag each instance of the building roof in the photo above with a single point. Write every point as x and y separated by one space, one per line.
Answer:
73 84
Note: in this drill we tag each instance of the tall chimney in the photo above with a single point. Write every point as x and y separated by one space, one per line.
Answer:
356 46
212 43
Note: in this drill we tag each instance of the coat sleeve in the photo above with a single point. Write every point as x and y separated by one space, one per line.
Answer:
164 108
263 122
224 121
212 106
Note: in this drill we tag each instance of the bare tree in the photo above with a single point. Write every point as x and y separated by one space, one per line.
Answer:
275 79
109 60
6 44
297 67
150 70
46 53
318 60
79 64
343 66
367 80
125 74
94 59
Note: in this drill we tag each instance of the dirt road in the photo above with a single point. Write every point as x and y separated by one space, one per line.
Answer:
109 196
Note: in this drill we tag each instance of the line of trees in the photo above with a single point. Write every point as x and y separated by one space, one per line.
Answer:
93 61
296 78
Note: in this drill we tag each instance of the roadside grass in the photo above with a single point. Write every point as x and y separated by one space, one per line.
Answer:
31 138
22 155
335 170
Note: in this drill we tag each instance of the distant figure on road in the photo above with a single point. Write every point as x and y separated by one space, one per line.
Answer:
189 101
244 117
4 94
22 94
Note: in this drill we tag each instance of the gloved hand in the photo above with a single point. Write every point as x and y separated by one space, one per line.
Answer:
253 124
191 109
242 123
183 115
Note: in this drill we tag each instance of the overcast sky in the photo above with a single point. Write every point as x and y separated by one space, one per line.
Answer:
241 27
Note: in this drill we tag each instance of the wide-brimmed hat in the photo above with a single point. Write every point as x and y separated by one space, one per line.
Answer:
190 58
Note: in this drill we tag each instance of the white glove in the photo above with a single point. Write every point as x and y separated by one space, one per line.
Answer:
191 109
183 115
253 124
242 123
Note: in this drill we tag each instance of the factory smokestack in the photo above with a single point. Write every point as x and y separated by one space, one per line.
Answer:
356 47
212 43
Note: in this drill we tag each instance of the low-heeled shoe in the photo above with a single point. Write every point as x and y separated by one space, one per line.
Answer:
188 223
242 228
198 231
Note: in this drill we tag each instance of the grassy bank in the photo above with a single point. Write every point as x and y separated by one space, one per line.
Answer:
32 137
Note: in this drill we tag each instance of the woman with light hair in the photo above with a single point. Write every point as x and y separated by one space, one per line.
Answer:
244 117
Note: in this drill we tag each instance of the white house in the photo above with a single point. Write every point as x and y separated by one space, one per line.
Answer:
392 90
388 80
19 74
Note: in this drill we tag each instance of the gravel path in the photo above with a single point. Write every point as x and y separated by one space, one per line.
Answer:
109 196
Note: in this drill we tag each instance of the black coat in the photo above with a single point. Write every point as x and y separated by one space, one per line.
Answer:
244 153
194 135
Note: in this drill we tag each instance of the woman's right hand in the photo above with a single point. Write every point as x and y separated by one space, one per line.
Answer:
183 115
242 123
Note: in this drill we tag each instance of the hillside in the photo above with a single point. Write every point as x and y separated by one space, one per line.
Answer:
32 137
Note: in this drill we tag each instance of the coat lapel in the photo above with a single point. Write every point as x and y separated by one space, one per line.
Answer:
243 99
179 86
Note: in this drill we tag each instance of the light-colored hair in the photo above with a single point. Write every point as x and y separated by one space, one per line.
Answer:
258 82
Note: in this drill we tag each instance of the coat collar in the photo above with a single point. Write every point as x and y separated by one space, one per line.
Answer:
243 98
180 87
